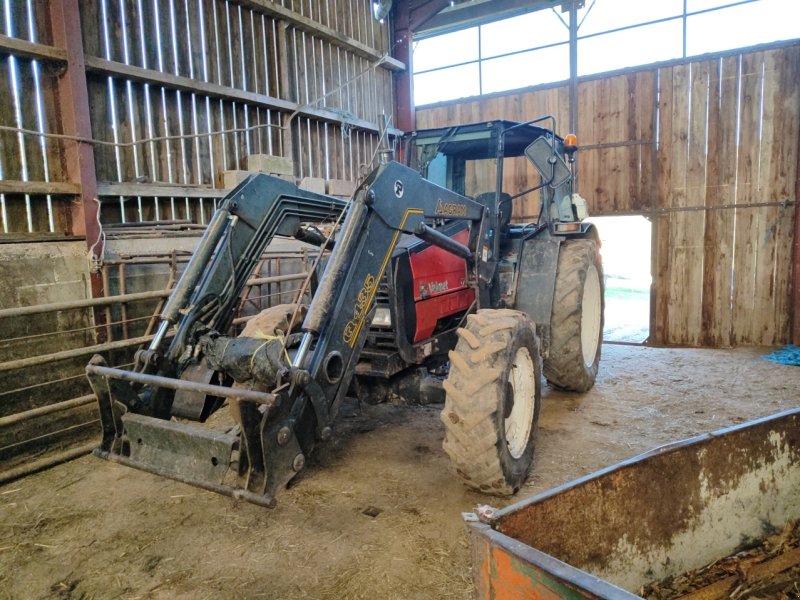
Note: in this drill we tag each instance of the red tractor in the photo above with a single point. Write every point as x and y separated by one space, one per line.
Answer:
429 290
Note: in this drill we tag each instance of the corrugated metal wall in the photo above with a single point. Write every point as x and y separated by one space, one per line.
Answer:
708 150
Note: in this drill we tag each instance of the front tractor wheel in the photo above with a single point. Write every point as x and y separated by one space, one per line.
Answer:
493 397
576 323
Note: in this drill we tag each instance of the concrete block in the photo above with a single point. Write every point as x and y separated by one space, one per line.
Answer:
230 179
341 187
313 184
267 163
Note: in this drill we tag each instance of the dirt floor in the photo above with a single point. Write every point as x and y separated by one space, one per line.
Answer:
377 514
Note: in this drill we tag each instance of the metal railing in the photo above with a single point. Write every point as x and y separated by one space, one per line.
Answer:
117 333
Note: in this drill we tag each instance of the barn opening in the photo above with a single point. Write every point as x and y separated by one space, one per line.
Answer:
626 245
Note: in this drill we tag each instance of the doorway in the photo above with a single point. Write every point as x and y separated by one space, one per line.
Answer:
626 245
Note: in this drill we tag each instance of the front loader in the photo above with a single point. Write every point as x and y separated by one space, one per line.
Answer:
428 291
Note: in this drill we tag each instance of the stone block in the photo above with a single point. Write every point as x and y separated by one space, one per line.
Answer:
230 179
341 187
313 184
267 163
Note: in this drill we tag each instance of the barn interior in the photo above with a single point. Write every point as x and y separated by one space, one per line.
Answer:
124 126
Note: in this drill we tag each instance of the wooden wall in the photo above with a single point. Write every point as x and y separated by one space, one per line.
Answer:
180 91
706 149
137 108
35 190
263 62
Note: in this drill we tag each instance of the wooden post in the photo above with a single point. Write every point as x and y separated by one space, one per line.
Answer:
287 74
73 102
795 334
73 106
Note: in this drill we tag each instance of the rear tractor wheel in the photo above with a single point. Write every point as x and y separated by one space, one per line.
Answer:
576 323
493 397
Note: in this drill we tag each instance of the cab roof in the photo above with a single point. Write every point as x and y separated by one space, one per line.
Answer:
479 140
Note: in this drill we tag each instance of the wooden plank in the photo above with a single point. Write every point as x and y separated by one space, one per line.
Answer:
691 236
123 125
770 186
676 148
39 187
777 176
106 189
90 29
30 50
748 222
19 20
661 226
9 141
720 187
642 88
26 88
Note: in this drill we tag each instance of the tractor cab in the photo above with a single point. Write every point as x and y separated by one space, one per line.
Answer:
500 164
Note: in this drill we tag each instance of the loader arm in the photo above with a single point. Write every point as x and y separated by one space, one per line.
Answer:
392 201
284 409
250 216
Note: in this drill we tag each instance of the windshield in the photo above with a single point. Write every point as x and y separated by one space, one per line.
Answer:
464 159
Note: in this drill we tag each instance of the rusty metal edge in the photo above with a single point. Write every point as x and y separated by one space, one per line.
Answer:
630 462
570 576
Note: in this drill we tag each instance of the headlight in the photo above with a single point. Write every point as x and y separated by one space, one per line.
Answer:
382 318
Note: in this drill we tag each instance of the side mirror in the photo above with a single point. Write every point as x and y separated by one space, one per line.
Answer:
552 167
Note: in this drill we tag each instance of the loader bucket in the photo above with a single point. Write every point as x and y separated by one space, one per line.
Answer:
190 453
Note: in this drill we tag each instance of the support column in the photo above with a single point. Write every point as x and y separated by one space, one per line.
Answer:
73 100
73 105
573 67
405 115
573 83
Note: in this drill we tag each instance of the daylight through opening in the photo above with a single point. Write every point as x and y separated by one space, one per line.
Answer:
626 267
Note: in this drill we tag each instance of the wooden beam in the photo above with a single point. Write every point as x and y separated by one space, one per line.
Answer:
53 188
420 12
73 108
155 190
276 11
25 49
95 64
460 16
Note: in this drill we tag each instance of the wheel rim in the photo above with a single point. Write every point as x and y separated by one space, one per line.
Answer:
519 422
590 316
